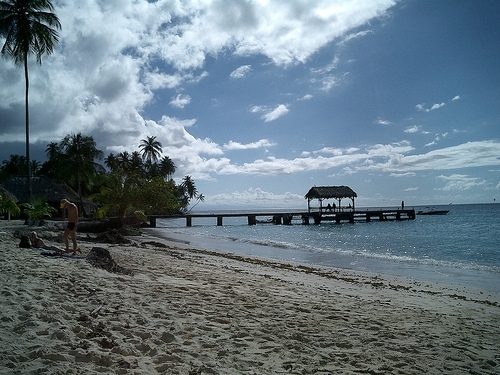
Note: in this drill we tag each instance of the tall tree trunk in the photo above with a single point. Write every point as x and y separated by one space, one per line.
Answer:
30 189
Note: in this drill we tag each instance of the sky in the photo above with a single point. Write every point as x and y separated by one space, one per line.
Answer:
260 100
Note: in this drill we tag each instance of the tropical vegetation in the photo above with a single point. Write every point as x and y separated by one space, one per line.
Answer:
8 206
137 183
38 209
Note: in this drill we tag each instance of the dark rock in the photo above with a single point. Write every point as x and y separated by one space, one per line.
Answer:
101 258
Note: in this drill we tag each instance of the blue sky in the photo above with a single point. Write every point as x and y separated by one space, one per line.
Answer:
260 100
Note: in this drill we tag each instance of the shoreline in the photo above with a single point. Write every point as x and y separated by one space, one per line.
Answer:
483 280
195 311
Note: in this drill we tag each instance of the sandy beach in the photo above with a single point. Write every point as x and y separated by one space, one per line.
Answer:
180 310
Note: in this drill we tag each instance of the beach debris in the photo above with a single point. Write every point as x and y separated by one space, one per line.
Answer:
96 310
101 258
155 244
112 236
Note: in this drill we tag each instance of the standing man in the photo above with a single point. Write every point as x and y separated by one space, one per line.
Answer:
70 229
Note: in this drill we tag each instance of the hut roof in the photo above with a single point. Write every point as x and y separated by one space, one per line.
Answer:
326 192
42 187
7 195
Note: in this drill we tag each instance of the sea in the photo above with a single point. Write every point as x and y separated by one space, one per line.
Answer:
461 248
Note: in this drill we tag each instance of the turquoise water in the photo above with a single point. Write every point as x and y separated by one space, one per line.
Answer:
461 248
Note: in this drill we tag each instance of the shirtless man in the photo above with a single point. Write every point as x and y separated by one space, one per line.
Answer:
70 229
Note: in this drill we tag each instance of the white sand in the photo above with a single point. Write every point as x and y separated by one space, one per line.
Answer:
188 311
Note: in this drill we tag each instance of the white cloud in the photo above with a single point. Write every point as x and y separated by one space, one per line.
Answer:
330 150
381 121
357 35
461 182
231 145
421 107
466 155
271 114
437 106
241 72
306 97
113 56
180 101
406 174
256 196
456 98
413 129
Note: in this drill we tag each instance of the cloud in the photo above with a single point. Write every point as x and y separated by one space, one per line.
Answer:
306 97
466 155
276 113
389 158
394 159
241 72
114 57
271 114
255 196
421 107
461 182
381 121
406 174
231 145
180 101
357 35
413 129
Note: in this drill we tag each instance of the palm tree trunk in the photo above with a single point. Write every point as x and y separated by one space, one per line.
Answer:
28 161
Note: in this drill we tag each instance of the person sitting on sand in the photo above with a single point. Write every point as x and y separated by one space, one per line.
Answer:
39 243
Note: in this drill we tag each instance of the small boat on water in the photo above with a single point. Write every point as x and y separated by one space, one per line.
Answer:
433 212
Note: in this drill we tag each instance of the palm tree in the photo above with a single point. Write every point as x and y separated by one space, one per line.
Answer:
80 153
189 191
151 149
167 167
189 187
28 27
112 162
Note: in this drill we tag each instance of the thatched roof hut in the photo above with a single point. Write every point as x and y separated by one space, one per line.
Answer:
330 192
42 186
7 195
46 187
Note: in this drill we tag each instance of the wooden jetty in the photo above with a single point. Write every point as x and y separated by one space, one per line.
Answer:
305 217
334 211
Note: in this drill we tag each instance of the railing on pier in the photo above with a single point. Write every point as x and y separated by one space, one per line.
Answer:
286 218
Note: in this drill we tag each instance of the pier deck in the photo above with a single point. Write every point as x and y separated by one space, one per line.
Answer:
305 217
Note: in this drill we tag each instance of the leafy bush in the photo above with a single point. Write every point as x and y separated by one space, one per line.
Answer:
38 209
